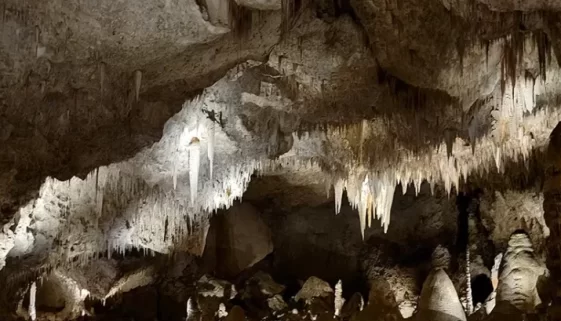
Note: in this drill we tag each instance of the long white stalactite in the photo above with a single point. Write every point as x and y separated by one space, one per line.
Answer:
194 165
210 146
338 187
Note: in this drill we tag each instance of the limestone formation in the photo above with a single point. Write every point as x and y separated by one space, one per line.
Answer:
170 152
520 271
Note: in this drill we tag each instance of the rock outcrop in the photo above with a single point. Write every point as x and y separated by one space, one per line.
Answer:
238 239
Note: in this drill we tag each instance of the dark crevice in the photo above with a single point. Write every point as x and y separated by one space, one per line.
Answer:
481 288
462 203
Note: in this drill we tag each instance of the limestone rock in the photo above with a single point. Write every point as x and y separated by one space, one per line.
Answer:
503 213
238 239
382 304
210 287
59 293
133 279
441 258
98 277
265 284
314 288
276 303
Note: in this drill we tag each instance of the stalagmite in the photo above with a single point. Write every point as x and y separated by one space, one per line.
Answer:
519 275
439 300
221 313
469 296
137 83
339 300
210 152
491 301
495 270
193 313
194 163
32 297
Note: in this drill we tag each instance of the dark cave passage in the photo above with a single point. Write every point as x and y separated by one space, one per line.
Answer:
481 288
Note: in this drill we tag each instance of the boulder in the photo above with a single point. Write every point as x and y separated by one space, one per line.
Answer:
237 239
211 293
263 283
276 303
210 287
314 288
381 305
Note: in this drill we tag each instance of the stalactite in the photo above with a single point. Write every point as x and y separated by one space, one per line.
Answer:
363 135
289 10
211 142
339 186
174 174
240 19
371 196
362 205
449 138
194 163
543 45
137 84
37 40
102 73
